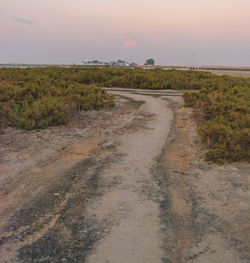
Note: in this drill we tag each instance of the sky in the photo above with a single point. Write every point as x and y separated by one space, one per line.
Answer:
173 32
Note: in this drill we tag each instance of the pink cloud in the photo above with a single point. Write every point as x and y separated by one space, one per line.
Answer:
131 43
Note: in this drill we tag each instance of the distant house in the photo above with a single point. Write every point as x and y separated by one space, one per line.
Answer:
118 63
93 62
132 65
121 63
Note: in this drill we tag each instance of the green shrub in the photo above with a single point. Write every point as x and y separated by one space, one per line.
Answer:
42 113
225 125
39 98
191 98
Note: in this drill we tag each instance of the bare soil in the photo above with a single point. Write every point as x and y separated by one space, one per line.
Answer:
126 184
206 206
233 73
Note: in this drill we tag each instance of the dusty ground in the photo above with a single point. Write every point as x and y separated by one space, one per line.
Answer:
207 207
128 186
234 73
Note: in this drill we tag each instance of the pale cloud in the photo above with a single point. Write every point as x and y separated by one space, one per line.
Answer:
23 20
131 43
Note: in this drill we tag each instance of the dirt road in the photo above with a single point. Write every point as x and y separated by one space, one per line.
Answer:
121 185
135 235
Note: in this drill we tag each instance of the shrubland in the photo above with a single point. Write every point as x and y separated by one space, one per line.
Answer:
223 114
39 98
42 97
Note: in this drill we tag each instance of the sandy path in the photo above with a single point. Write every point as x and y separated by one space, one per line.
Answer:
135 234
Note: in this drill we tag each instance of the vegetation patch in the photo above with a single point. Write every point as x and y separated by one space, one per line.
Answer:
42 97
39 98
223 112
36 98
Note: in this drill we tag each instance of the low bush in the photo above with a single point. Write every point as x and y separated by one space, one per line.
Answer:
225 121
39 98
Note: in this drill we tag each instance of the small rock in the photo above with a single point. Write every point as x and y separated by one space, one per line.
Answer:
108 144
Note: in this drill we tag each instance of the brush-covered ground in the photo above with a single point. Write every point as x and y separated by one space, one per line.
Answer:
40 98
43 97
123 184
119 175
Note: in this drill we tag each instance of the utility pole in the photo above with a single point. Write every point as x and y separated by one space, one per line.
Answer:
193 60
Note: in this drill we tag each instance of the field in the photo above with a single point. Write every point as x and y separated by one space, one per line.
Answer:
233 73
42 97
90 190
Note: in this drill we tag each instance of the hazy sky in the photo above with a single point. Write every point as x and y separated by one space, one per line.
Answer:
170 31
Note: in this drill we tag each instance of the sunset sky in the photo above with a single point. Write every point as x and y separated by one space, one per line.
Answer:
170 31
